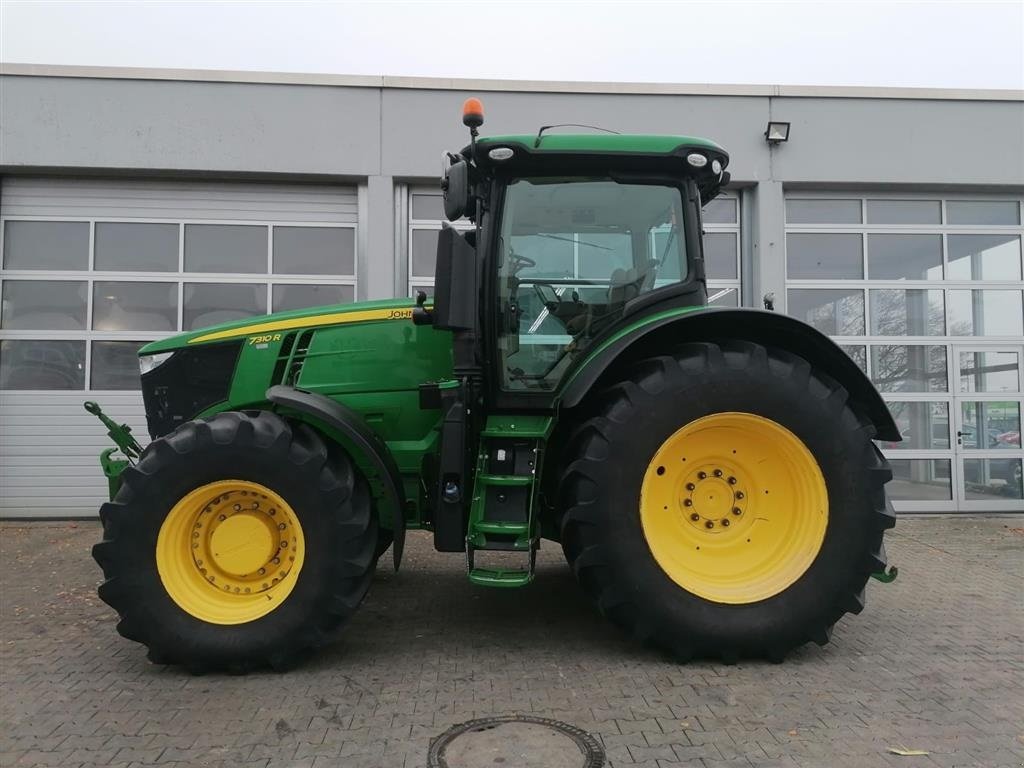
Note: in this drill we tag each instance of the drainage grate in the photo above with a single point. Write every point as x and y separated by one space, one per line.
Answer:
515 741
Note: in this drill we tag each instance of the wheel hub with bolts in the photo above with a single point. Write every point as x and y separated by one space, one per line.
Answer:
243 543
713 497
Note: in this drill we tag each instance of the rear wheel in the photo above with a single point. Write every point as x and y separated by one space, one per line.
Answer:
237 543
725 501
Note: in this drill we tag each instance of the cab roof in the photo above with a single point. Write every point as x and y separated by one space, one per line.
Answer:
619 143
619 154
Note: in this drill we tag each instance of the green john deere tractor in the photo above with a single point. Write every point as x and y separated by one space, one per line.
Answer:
709 472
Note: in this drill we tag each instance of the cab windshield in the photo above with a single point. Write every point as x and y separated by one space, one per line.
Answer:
572 253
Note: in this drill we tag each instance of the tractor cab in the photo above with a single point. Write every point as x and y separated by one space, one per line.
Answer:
575 234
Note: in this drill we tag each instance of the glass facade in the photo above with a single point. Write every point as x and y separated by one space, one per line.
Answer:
931 288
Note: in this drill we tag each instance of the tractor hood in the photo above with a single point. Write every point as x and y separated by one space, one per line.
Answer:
312 317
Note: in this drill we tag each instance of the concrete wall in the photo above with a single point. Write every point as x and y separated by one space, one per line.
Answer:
360 131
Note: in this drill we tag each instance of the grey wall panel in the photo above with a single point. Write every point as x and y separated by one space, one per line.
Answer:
879 141
419 125
208 127
194 200
49 451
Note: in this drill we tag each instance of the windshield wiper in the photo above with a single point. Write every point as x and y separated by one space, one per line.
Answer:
571 240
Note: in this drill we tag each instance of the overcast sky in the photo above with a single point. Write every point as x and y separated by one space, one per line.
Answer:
949 44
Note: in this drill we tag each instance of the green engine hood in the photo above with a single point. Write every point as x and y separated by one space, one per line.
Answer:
262 325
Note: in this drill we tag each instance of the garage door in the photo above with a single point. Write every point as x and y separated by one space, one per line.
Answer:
925 293
92 269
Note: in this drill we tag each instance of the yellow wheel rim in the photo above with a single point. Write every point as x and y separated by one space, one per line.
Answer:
734 508
230 552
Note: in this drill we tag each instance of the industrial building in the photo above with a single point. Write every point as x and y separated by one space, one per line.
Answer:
137 203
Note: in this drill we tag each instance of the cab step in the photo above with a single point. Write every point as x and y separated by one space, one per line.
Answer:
489 577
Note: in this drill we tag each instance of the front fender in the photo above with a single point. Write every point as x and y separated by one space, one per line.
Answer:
660 332
352 427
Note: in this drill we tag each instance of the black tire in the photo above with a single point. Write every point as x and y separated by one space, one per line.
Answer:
330 500
600 490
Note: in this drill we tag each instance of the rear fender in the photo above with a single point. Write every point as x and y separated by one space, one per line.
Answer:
665 330
351 430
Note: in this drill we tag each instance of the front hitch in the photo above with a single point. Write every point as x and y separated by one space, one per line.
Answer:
124 442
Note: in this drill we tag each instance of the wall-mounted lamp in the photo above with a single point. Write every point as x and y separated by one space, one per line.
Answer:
777 132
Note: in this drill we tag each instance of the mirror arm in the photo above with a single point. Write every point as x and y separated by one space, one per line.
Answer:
420 314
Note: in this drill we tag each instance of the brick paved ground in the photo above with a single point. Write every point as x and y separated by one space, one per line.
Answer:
934 663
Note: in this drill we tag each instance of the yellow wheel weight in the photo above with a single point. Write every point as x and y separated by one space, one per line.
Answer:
734 508
230 552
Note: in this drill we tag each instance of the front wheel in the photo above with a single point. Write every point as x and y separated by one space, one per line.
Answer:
725 501
238 542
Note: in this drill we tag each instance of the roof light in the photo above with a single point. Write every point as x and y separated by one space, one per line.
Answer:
472 112
777 132
716 166
500 153
696 159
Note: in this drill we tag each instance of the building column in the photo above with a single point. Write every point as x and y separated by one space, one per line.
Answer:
377 219
769 244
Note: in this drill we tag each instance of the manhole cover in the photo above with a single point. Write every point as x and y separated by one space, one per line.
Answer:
515 741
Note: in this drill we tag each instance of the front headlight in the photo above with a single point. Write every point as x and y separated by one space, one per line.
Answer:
148 363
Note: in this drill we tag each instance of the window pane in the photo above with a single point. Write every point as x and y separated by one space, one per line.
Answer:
823 211
225 248
992 479
212 303
922 425
424 252
905 257
136 247
824 256
990 424
908 368
858 354
984 257
428 207
723 297
46 245
985 313
600 255
720 211
115 364
135 306
42 364
914 312
835 311
43 305
920 480
982 212
314 251
302 296
427 289
904 212
989 372
720 256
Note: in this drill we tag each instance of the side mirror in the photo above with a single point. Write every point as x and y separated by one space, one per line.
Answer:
456 291
456 190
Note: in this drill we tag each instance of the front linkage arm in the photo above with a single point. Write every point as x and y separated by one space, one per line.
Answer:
129 447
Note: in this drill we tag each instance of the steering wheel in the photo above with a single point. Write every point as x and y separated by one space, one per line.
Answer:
521 262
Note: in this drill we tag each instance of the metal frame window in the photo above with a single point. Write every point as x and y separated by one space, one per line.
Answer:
266 279
874 335
721 290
